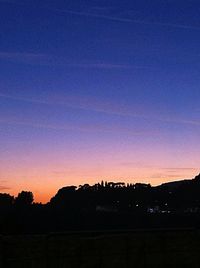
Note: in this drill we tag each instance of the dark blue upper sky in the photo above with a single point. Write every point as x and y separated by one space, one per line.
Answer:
99 74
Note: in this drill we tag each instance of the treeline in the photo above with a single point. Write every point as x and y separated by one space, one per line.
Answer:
182 196
23 199
105 205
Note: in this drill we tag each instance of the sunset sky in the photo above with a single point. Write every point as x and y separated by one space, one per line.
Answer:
98 90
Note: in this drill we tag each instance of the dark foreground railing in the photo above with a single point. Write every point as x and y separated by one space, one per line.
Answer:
123 249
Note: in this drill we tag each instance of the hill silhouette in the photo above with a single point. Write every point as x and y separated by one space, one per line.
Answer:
105 205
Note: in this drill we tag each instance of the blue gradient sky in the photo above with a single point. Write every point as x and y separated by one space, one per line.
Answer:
93 90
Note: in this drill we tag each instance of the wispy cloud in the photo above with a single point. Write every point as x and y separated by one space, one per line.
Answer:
19 55
126 20
4 188
181 121
174 169
167 176
174 172
100 107
77 103
160 168
104 65
82 128
98 13
53 60
89 14
25 57
24 99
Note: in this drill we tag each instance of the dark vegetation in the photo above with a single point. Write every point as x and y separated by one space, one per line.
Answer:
104 206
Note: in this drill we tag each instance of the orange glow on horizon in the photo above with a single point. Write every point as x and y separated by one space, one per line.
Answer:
46 186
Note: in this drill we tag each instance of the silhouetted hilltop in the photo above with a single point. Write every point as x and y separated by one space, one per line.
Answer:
105 205
176 184
173 185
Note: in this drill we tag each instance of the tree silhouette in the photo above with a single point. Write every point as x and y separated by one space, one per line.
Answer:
24 198
6 200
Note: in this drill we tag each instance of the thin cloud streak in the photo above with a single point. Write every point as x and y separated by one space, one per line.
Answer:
78 128
53 60
25 55
111 18
4 188
74 105
2 95
178 168
126 20
102 109
104 66
167 169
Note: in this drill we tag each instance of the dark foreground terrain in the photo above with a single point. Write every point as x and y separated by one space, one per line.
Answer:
104 206
79 227
139 248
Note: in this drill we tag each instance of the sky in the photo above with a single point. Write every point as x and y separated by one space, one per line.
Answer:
98 90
